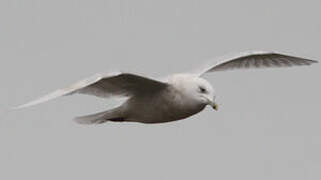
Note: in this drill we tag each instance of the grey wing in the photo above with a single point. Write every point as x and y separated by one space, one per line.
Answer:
112 84
258 59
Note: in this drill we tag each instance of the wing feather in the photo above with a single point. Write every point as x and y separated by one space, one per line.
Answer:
111 84
258 59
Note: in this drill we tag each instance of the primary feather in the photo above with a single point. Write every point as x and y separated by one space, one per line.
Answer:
257 59
117 84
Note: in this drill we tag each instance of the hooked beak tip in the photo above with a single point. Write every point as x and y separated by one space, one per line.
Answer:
215 106
212 104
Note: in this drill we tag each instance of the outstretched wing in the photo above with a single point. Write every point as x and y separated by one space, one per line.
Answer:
113 84
258 59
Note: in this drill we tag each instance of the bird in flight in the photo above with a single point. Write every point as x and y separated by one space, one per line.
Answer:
157 101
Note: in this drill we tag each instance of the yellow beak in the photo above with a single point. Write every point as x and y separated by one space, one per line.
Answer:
215 106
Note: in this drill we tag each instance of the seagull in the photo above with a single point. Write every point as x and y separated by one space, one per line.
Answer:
170 99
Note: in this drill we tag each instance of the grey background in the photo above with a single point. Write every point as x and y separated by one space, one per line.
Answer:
268 125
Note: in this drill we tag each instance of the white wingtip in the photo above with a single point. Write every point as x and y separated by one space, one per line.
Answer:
19 107
48 97
25 105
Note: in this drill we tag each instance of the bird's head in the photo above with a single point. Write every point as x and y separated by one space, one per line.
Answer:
196 89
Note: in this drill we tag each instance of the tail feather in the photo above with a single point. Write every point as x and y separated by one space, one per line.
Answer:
99 118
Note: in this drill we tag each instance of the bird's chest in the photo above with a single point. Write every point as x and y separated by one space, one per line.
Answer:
183 105
164 107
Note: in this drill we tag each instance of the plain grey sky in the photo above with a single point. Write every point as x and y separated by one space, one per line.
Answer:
268 125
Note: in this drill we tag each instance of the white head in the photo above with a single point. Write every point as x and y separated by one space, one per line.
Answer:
195 89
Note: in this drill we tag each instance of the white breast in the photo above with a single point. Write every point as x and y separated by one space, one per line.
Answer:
168 105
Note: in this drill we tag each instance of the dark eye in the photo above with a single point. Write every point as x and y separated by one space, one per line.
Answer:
202 90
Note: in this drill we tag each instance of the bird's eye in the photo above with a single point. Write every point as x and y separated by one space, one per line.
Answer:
202 90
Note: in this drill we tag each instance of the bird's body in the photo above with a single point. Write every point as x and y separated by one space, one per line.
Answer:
172 103
147 109
157 101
